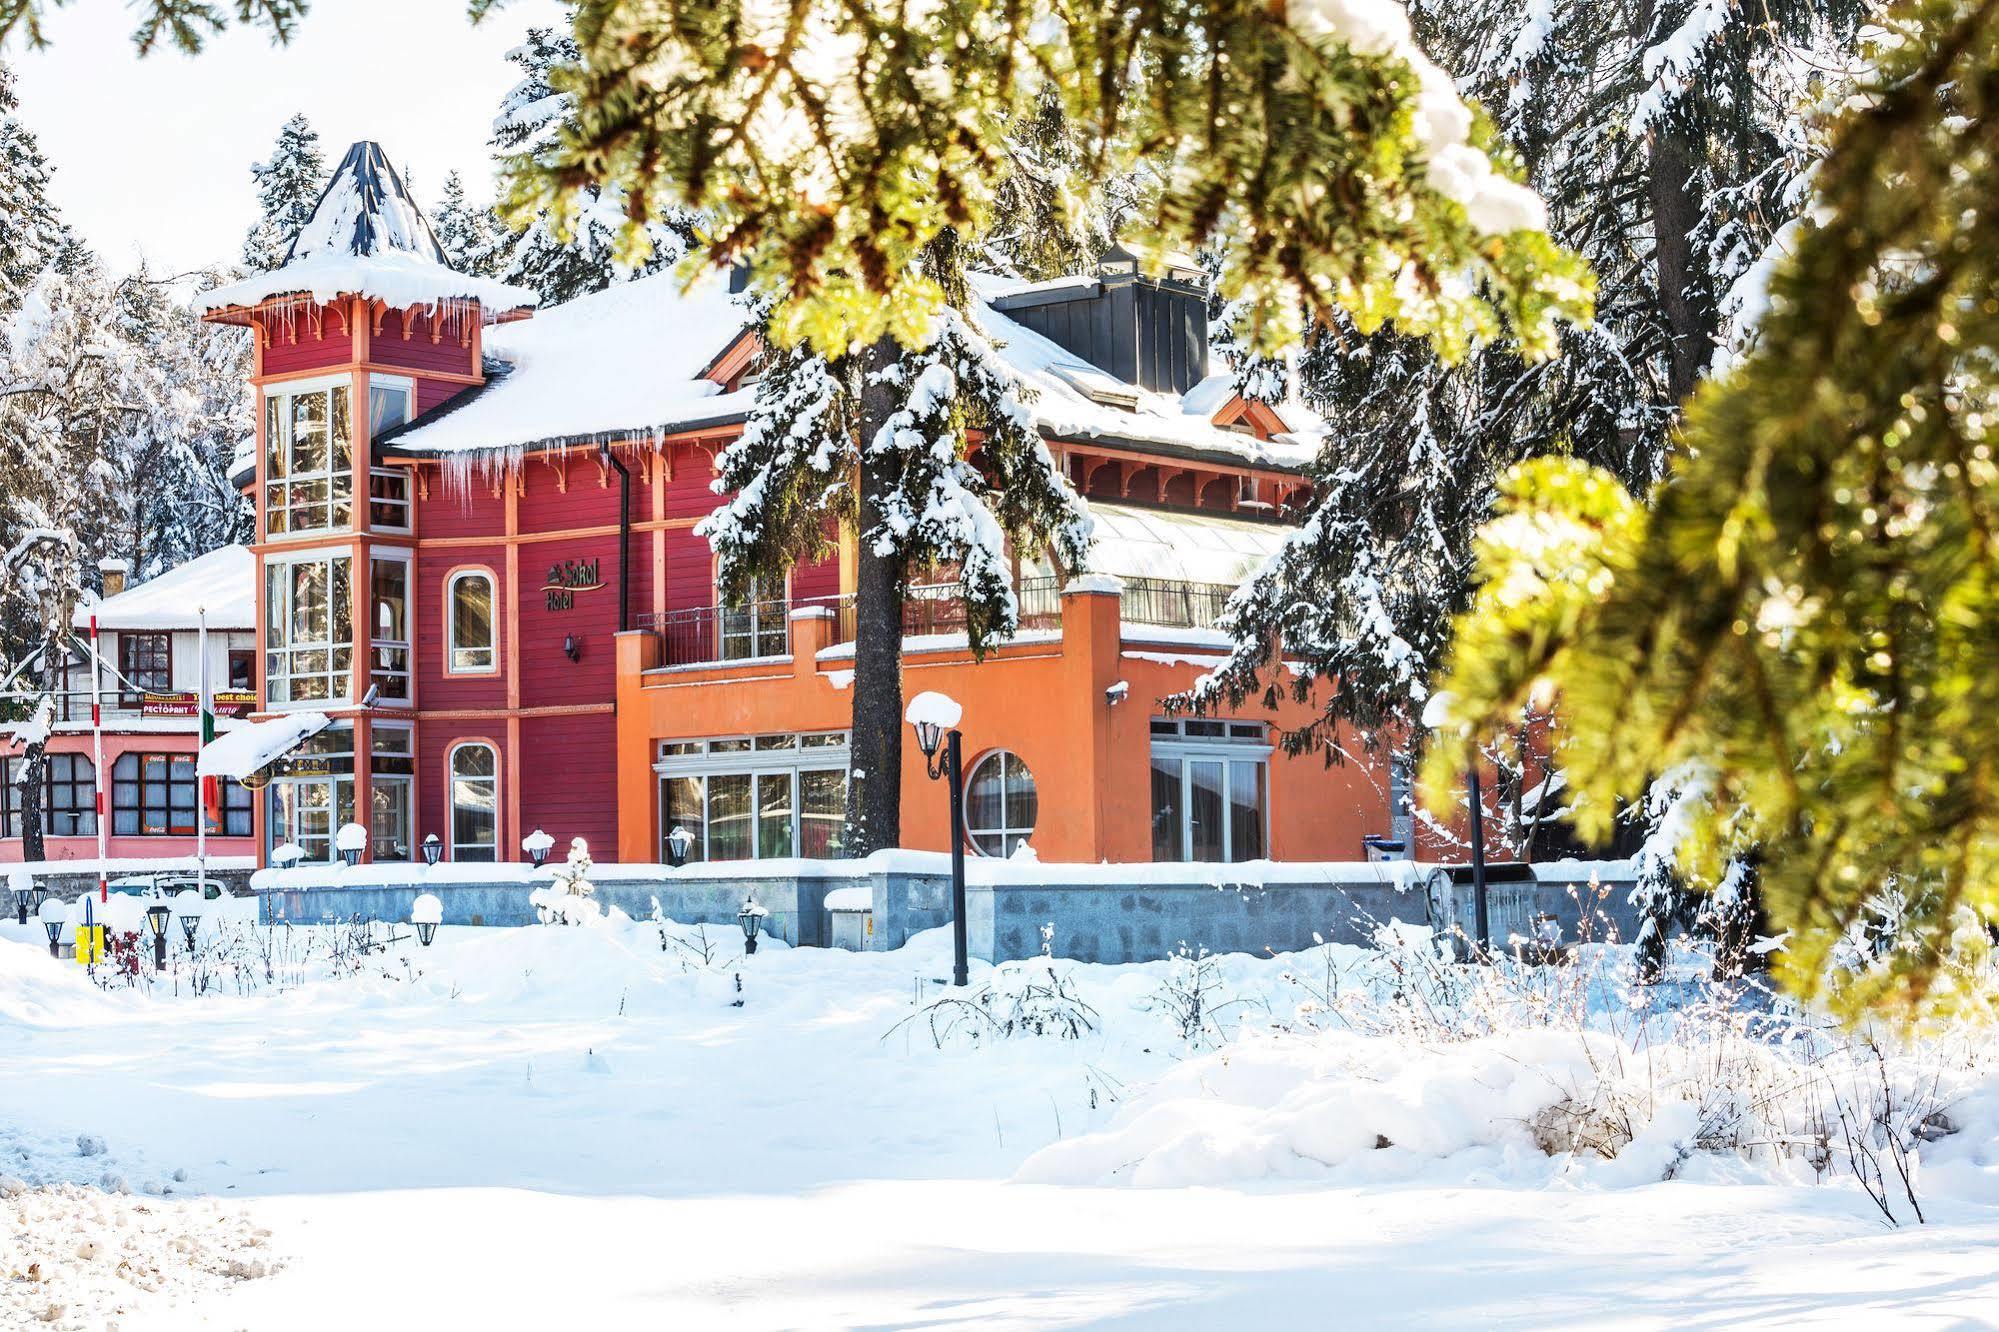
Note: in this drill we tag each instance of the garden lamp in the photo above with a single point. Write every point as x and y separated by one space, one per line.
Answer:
426 914
54 916
156 925
751 918
432 849
678 843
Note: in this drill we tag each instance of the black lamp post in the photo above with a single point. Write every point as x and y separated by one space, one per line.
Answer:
21 903
426 930
432 849
537 844
53 919
190 924
751 918
930 714
156 925
677 844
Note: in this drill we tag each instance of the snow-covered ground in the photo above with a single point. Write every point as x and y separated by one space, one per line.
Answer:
578 1126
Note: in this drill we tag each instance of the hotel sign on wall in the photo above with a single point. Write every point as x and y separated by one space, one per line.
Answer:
566 579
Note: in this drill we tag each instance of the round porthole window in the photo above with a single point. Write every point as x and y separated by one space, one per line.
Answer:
1000 804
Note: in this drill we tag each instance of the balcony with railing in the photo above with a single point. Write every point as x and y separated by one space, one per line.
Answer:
762 630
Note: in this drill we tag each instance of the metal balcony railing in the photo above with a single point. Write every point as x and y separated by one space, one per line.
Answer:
1172 604
708 635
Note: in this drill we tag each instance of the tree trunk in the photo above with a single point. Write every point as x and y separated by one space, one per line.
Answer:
1683 296
874 779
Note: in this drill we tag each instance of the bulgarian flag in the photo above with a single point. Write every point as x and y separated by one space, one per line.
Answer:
211 787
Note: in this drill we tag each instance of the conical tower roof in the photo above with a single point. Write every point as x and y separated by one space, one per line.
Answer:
366 237
366 210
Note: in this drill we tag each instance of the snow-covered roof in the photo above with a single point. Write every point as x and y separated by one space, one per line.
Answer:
1179 546
1064 409
619 363
367 237
248 748
627 362
222 583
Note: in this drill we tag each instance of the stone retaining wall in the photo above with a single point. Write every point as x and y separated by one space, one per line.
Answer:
1099 913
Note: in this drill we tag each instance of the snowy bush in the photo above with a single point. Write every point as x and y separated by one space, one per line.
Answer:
567 900
1396 1060
1029 998
1193 997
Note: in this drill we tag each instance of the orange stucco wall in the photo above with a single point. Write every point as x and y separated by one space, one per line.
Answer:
1043 697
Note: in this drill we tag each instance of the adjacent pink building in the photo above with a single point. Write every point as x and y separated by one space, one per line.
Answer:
151 670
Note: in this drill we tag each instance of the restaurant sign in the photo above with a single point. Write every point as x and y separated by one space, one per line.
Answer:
184 703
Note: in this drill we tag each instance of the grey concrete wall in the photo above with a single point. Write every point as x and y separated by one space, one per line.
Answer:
1100 913
1143 922
796 904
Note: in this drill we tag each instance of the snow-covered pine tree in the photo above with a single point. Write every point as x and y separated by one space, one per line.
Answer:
1048 219
67 402
468 233
31 232
288 185
562 257
1601 108
174 455
879 443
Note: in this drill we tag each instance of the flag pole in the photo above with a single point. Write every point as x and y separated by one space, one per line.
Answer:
205 726
97 758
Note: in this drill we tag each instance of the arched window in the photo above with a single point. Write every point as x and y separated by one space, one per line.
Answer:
475 803
468 602
1000 804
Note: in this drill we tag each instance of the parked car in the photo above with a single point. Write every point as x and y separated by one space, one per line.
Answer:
164 887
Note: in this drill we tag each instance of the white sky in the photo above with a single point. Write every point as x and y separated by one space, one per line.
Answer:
153 155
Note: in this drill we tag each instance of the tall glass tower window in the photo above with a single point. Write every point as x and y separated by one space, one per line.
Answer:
308 458
309 629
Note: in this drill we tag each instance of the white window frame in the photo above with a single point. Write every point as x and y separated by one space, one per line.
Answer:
399 474
283 392
1236 746
451 666
1006 829
760 759
407 644
451 780
378 778
277 640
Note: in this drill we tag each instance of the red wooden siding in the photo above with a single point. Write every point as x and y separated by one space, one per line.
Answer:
448 353
438 690
307 342
454 510
810 581
436 392
687 493
690 570
573 791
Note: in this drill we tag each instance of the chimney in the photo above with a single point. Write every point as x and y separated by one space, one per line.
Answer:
1151 332
112 573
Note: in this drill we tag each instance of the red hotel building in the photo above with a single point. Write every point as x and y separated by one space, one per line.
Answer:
484 513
